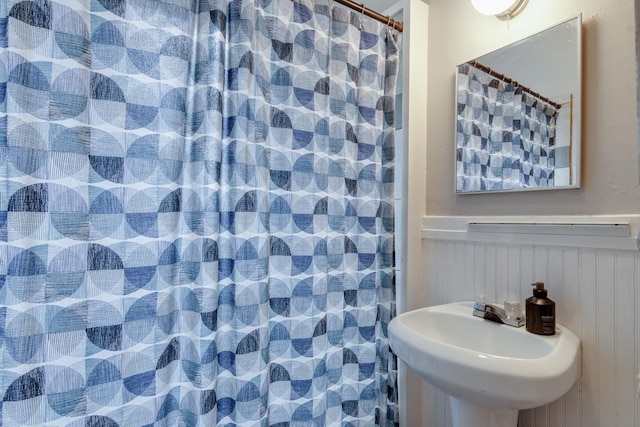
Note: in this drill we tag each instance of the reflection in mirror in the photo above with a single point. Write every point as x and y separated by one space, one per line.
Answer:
518 114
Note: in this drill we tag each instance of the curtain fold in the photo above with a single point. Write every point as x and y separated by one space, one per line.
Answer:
196 214
538 142
505 136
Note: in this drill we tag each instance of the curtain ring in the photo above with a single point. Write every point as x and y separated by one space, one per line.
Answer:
362 16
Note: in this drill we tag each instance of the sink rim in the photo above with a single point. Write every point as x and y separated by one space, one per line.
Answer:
461 311
498 381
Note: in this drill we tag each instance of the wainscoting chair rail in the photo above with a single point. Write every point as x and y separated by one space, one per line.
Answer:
588 231
573 229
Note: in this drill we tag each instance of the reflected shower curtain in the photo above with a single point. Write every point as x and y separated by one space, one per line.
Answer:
196 214
505 135
538 131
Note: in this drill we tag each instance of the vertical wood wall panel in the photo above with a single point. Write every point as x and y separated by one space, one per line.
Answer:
469 285
587 334
478 269
512 278
537 271
597 298
636 345
490 268
502 272
625 329
604 305
571 319
432 270
555 413
455 257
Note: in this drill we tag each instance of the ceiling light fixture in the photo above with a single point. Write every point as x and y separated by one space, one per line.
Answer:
502 9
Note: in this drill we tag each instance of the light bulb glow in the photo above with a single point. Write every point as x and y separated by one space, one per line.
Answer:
502 9
492 7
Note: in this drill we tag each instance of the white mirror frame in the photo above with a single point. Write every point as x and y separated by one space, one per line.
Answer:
501 61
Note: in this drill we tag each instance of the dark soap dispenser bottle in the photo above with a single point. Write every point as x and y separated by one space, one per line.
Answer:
540 312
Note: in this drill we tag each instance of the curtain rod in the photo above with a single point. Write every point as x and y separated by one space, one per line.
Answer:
488 70
397 25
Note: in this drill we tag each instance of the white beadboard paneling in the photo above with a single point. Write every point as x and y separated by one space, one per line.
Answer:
625 292
432 269
637 322
555 413
457 280
571 319
606 349
588 337
469 288
596 294
490 272
514 290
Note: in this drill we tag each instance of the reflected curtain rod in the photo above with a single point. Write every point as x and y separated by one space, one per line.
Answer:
397 25
488 70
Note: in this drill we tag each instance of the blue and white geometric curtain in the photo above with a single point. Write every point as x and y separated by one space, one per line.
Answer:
538 137
505 137
196 214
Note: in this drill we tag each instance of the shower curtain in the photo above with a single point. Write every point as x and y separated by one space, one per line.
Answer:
505 135
196 214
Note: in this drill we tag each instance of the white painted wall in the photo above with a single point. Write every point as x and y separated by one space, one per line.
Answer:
609 168
597 289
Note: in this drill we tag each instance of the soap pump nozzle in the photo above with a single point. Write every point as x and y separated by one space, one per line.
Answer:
539 290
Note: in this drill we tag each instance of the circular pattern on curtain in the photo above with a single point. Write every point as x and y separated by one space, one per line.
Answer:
196 214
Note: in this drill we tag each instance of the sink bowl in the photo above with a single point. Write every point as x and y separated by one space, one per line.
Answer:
485 365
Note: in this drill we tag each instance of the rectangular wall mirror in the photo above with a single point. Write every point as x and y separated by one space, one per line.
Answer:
518 114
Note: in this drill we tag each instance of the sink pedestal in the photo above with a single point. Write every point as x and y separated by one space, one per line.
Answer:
492 365
464 414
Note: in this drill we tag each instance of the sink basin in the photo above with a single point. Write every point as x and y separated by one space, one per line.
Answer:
484 365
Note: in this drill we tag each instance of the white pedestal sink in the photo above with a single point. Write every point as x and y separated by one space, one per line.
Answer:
489 370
